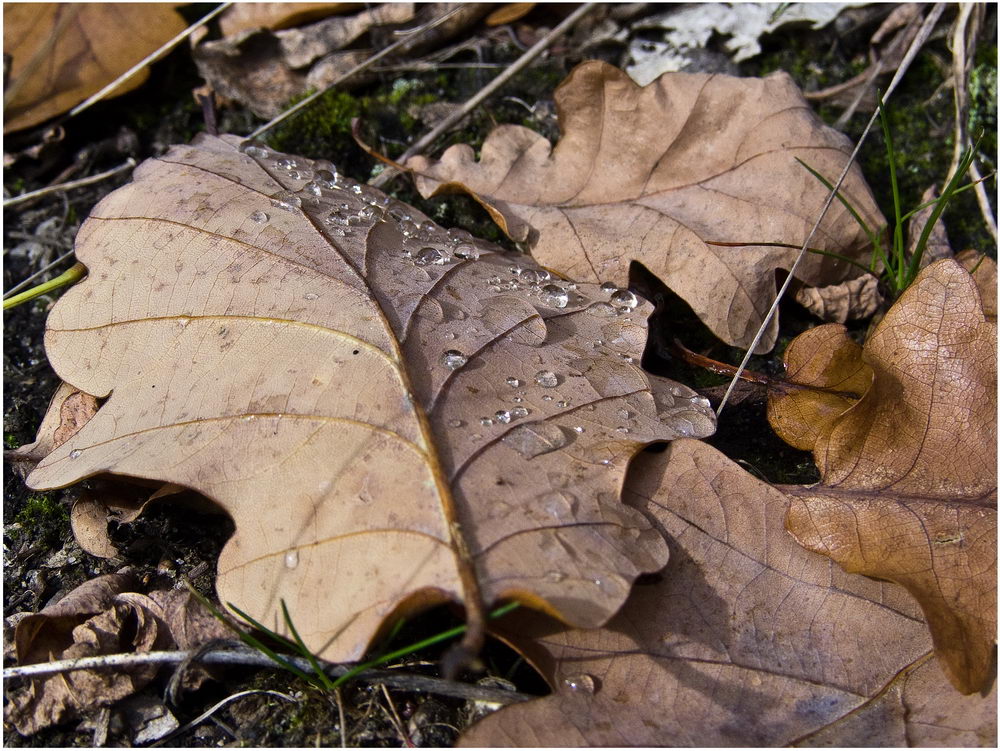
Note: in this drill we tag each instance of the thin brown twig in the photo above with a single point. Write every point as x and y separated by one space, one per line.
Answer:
215 708
343 720
960 45
127 165
925 31
252 658
516 67
394 717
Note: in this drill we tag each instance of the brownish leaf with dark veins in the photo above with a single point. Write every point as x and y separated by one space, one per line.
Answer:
744 639
908 489
651 173
394 415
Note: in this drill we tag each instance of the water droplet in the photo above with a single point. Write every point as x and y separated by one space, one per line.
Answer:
313 187
286 200
546 379
429 256
259 216
622 429
518 412
546 398
581 684
513 382
559 504
75 454
327 178
476 437
578 428
517 399
625 414
563 403
427 226
455 423
535 438
254 149
485 420
624 299
310 296
554 296
467 251
555 576
609 287
502 415
291 559
453 359
407 227
500 509
286 164
398 213
528 276
602 309
357 190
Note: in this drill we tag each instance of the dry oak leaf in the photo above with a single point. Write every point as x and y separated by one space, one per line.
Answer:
908 489
61 53
243 16
854 299
69 409
394 415
651 173
744 639
985 276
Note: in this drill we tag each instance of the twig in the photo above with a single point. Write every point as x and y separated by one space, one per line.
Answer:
146 61
925 31
129 164
343 719
959 44
411 34
252 658
394 718
516 67
215 708
22 284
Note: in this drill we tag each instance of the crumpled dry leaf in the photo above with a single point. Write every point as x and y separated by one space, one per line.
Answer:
856 298
689 27
908 488
101 616
744 639
394 415
649 174
243 16
69 410
61 53
264 70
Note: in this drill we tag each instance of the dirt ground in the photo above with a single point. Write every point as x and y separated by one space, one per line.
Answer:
41 560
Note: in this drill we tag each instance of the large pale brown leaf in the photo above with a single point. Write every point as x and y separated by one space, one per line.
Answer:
390 422
651 173
61 53
744 639
908 488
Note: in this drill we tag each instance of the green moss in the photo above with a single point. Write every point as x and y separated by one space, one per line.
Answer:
320 129
10 441
42 517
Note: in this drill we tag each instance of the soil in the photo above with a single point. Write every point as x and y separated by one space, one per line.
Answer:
42 562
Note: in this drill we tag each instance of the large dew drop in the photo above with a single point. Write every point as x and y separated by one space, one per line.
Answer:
535 438
429 256
546 379
581 684
291 559
554 296
453 359
259 217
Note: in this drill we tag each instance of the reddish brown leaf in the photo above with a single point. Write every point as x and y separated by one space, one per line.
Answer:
909 472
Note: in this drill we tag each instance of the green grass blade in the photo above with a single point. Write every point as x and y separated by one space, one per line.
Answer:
313 662
75 273
946 195
931 202
872 238
443 636
247 639
897 235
